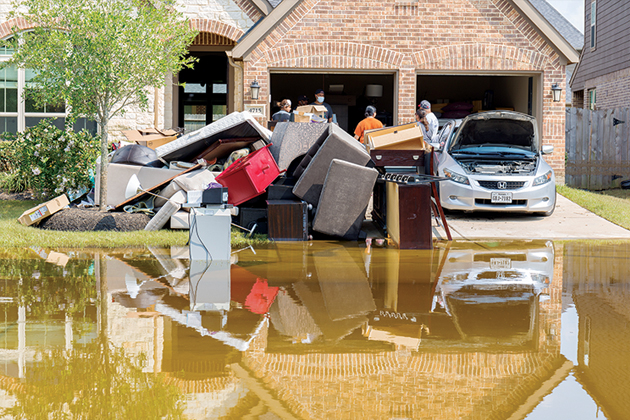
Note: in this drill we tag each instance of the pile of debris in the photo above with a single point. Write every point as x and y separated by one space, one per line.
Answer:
299 181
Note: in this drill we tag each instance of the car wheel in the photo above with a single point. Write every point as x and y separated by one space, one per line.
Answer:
550 212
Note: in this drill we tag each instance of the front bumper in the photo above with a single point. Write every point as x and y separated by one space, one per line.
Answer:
474 197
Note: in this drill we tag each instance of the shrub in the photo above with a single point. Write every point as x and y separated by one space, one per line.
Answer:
51 161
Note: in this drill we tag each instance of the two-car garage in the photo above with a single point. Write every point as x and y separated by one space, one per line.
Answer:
350 92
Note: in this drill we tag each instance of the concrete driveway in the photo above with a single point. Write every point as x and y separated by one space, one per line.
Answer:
569 221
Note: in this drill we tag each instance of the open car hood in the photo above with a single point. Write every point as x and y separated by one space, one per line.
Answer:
496 130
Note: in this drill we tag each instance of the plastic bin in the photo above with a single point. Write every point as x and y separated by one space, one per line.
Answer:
249 176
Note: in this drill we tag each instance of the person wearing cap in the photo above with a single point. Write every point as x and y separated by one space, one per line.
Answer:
302 100
368 123
434 125
319 100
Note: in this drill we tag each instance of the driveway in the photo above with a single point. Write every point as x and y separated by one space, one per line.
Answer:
569 221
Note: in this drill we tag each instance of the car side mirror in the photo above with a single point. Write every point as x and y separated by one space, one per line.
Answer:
547 149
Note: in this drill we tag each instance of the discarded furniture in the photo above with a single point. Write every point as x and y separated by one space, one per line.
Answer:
249 176
290 141
313 169
191 145
288 220
345 195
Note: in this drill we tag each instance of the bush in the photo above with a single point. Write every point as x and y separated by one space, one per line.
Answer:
51 161
6 154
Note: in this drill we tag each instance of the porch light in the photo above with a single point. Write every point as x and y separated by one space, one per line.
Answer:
555 91
254 87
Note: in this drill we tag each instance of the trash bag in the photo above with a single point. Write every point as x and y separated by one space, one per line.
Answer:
135 154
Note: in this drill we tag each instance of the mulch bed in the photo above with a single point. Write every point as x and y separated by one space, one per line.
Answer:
91 219
77 219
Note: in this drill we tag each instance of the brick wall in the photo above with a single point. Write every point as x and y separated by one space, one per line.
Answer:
403 38
612 90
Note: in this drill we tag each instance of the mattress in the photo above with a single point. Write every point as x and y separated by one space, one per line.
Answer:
234 125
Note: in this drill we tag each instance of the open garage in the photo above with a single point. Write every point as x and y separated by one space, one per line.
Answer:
348 94
518 92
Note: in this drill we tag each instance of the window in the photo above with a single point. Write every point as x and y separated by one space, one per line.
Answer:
592 100
16 114
593 22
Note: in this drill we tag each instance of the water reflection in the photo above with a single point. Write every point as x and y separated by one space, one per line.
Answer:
316 331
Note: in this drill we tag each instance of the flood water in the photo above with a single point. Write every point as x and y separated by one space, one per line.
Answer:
318 330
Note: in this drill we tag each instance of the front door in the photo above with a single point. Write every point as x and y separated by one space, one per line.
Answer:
203 91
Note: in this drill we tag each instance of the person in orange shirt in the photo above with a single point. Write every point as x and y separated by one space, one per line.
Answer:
368 123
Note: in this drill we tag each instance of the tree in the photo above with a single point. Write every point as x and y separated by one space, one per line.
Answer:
99 56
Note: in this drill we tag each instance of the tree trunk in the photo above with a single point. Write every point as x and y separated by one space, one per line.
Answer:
102 199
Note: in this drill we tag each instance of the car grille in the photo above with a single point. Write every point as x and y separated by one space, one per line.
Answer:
488 202
510 185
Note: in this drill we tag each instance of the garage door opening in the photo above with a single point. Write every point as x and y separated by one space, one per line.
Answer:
346 94
481 92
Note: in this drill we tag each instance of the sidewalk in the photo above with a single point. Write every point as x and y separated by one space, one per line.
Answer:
569 221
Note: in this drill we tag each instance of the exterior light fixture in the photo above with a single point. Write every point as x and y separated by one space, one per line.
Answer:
555 91
255 87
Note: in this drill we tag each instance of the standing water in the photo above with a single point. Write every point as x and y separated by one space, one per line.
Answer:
318 330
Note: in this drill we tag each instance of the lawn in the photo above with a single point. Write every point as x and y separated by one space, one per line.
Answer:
612 205
13 234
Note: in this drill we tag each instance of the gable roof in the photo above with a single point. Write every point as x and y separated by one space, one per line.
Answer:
546 29
554 37
555 18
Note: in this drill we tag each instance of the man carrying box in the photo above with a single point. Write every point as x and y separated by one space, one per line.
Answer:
319 100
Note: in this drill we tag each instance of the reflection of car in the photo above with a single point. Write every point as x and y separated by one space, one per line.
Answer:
492 293
494 161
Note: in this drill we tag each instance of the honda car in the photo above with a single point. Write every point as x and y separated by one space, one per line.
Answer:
494 162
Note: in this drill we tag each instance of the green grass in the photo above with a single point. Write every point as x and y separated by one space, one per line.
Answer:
612 205
14 234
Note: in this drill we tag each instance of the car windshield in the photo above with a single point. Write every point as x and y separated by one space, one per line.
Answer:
494 135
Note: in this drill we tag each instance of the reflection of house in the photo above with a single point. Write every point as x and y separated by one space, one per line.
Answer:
409 375
599 281
340 375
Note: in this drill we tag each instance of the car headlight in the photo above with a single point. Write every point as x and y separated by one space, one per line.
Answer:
543 179
454 176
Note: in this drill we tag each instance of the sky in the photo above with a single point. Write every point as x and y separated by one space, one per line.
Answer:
572 10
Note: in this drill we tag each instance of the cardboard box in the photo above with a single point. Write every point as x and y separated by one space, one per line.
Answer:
305 112
477 106
401 137
438 107
38 213
58 258
150 137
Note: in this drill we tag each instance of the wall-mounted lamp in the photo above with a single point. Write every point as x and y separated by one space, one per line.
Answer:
254 87
556 91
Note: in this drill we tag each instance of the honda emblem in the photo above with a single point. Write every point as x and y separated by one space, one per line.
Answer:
501 185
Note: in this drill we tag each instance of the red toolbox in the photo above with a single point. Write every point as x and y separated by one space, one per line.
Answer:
249 176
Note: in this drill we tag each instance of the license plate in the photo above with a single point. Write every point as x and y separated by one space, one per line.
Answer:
500 263
501 197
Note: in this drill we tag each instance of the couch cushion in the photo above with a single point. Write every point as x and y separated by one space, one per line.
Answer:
338 145
345 195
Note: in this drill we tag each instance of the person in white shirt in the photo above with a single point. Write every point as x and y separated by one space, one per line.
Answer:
434 125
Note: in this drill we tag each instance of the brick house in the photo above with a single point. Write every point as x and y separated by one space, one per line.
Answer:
503 51
440 51
602 77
